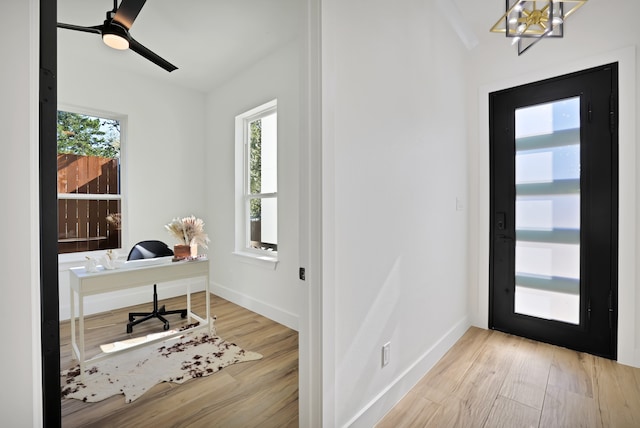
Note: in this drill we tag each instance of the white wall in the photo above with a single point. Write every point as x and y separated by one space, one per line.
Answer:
20 397
394 164
273 291
163 170
494 65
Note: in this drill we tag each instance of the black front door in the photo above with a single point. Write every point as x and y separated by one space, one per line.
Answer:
554 202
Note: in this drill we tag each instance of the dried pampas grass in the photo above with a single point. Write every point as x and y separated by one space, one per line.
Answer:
189 231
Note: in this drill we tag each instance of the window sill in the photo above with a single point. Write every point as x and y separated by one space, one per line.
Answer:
256 259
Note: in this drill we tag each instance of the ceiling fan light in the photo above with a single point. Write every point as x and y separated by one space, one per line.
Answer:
115 41
115 36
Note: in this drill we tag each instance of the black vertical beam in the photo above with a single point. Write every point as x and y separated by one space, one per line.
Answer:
49 312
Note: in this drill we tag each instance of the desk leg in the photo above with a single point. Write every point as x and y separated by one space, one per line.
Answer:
72 300
208 304
189 301
81 332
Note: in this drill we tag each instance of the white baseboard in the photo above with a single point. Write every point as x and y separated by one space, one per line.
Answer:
392 394
135 296
266 310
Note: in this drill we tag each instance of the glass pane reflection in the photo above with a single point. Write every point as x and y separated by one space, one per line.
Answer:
548 211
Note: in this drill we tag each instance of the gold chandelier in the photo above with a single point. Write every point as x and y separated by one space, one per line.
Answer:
527 21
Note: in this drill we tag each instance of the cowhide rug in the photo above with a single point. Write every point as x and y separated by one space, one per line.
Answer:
135 371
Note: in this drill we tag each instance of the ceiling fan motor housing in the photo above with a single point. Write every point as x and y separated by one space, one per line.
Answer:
115 35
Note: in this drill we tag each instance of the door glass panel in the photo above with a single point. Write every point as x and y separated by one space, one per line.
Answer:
547 175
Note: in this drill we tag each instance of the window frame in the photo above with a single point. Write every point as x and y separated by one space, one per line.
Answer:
242 188
75 257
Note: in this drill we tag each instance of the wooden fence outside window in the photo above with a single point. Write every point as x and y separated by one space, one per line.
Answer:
88 195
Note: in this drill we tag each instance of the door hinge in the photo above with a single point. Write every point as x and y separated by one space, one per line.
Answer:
610 309
47 86
613 120
589 310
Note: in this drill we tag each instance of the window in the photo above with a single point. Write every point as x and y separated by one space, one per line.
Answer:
89 194
257 181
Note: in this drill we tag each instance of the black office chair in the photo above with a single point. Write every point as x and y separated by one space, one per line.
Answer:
150 250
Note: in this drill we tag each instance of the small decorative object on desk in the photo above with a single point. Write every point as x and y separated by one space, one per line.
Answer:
91 265
189 231
108 261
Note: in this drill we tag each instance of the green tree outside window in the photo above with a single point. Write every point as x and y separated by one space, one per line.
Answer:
255 166
79 134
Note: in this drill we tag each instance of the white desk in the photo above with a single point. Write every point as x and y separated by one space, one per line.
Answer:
85 283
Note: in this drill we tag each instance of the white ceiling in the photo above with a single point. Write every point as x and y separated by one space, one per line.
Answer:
208 40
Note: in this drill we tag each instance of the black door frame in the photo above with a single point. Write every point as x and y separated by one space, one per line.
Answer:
48 198
604 122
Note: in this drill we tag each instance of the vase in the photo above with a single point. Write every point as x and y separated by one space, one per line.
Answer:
194 250
181 251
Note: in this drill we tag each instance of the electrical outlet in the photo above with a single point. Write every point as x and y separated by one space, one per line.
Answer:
386 353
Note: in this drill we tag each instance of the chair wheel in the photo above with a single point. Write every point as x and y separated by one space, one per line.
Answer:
166 327
183 314
129 329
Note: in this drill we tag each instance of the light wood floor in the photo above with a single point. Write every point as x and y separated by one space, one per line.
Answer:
490 379
260 393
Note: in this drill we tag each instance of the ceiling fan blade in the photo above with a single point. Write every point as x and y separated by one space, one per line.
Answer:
128 11
97 29
141 50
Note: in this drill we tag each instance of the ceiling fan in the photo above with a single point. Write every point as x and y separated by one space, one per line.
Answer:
115 31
